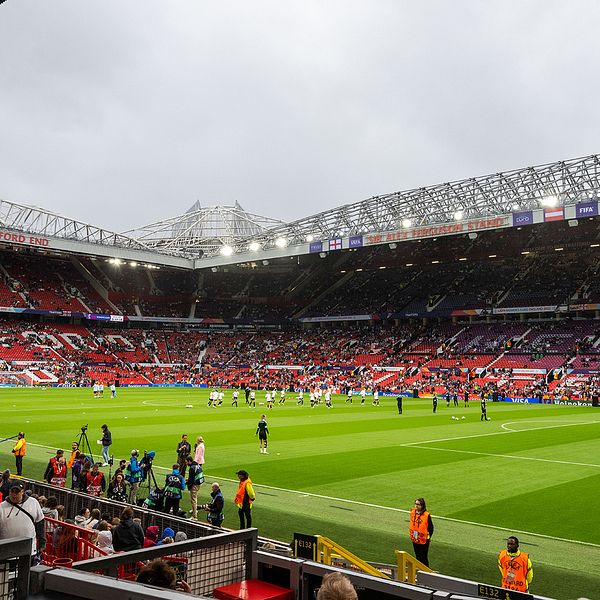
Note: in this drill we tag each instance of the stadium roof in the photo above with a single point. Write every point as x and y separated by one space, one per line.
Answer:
203 231
219 235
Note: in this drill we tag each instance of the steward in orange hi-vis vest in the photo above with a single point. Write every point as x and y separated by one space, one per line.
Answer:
418 526
420 529
515 566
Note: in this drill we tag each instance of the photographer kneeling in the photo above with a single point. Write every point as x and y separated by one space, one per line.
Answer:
215 508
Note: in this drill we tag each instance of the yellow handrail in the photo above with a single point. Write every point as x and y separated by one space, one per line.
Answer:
408 566
325 547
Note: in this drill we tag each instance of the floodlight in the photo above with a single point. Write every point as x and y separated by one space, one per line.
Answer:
133 264
281 242
458 215
406 223
549 201
226 250
254 246
516 206
310 238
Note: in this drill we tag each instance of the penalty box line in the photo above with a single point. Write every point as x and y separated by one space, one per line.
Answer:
489 434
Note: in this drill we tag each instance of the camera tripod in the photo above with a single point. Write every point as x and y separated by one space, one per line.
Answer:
84 443
148 474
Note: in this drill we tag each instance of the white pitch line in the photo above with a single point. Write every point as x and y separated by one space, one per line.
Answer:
549 460
390 508
478 435
506 427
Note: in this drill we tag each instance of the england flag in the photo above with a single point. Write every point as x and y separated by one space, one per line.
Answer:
335 244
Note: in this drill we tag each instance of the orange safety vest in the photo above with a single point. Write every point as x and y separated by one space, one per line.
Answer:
20 447
73 458
418 527
514 571
241 492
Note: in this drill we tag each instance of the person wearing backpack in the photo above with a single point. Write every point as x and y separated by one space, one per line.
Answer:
133 476
195 479
174 487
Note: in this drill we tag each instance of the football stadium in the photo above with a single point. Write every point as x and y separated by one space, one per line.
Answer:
439 343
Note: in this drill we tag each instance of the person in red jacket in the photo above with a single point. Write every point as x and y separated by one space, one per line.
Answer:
95 483
59 472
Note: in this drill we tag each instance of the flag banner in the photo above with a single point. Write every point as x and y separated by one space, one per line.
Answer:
316 247
554 214
355 241
522 218
335 244
586 209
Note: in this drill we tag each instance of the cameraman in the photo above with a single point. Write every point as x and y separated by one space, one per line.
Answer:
215 508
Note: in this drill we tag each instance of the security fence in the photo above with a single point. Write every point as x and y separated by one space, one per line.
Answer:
204 563
74 501
15 560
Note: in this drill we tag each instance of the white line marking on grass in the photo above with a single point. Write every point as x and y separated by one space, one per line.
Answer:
404 511
506 427
549 460
388 508
478 435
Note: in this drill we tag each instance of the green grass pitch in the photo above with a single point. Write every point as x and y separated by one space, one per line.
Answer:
352 472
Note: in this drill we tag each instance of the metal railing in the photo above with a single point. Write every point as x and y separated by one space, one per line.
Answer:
15 561
205 563
74 501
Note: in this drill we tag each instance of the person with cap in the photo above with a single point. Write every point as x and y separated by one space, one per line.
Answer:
167 537
244 498
21 516
19 452
215 508
133 475
174 487
515 567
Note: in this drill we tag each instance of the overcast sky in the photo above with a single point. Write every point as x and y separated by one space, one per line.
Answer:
124 112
